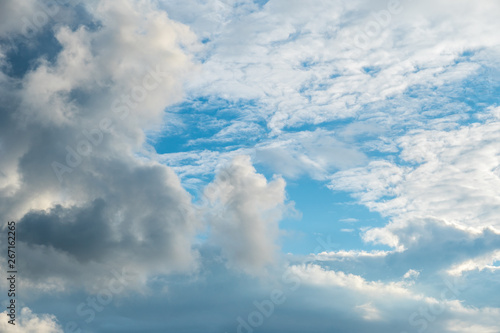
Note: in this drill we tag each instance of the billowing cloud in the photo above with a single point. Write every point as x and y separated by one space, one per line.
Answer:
246 212
72 129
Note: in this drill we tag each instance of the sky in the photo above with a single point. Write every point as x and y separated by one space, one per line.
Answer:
247 166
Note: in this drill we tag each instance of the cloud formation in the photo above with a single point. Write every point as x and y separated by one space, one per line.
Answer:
71 131
406 121
246 210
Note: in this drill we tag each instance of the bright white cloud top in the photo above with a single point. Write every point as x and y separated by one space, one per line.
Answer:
252 165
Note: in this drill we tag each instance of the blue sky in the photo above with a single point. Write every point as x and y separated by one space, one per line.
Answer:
251 166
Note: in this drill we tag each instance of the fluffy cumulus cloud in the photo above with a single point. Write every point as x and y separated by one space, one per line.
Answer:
147 148
246 210
72 127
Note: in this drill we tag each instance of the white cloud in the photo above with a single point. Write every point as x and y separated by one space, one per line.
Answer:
369 312
478 263
352 254
473 319
411 274
394 301
315 153
445 175
308 72
245 211
316 275
349 220
28 322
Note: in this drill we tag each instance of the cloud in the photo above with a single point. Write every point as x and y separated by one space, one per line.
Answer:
12 13
28 322
145 222
246 211
478 263
411 274
455 254
349 220
304 74
72 133
369 311
316 154
405 123
444 175
395 305
312 72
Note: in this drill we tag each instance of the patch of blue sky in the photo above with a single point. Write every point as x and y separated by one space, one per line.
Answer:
26 54
261 3
84 19
308 63
483 87
241 4
327 220
36 42
331 125
330 220
465 56
291 38
371 70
